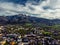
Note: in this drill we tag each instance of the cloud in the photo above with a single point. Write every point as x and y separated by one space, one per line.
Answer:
12 7
44 9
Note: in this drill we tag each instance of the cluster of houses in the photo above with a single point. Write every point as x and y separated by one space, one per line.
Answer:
33 38
28 39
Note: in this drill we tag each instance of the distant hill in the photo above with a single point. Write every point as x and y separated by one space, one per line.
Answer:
21 19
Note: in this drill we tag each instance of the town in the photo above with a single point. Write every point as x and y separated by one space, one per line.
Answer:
28 35
29 22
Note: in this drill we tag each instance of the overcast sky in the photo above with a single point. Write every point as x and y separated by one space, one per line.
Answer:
49 9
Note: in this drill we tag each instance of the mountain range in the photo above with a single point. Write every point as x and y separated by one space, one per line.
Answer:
21 19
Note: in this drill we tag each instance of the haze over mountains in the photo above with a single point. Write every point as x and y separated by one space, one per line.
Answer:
21 19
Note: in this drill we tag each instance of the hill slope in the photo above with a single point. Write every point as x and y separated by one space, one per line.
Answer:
21 19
